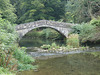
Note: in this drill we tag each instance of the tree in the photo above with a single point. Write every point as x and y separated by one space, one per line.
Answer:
32 10
7 11
78 11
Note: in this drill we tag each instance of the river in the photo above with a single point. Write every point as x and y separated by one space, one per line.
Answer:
37 42
79 63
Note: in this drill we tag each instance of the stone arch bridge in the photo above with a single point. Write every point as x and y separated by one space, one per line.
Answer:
63 28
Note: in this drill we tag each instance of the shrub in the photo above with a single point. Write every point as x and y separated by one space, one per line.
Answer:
7 32
22 67
85 31
95 22
73 40
24 60
7 38
45 46
5 71
7 60
16 59
10 54
7 26
53 44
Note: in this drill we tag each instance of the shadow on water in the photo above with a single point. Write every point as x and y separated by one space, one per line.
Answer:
92 44
37 42
73 64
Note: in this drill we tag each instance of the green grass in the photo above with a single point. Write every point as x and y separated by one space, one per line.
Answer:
73 40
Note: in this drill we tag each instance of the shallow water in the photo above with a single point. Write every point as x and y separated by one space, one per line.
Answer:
72 64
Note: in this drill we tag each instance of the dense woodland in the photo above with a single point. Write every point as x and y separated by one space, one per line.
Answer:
75 11
86 13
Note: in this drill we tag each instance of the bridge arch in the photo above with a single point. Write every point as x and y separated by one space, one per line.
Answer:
63 28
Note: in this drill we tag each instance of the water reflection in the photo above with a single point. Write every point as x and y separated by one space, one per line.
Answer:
37 42
74 64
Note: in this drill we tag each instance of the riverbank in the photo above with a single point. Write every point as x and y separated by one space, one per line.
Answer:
42 54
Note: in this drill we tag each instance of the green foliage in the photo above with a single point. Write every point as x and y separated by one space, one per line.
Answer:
18 60
7 60
23 67
85 31
95 22
33 10
53 44
7 26
46 33
51 34
10 55
79 11
45 46
50 47
73 40
7 32
76 11
7 38
24 60
4 71
21 55
7 10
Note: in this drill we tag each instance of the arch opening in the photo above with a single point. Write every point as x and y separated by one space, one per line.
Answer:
42 35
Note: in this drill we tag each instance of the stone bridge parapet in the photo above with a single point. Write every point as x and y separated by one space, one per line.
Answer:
63 28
